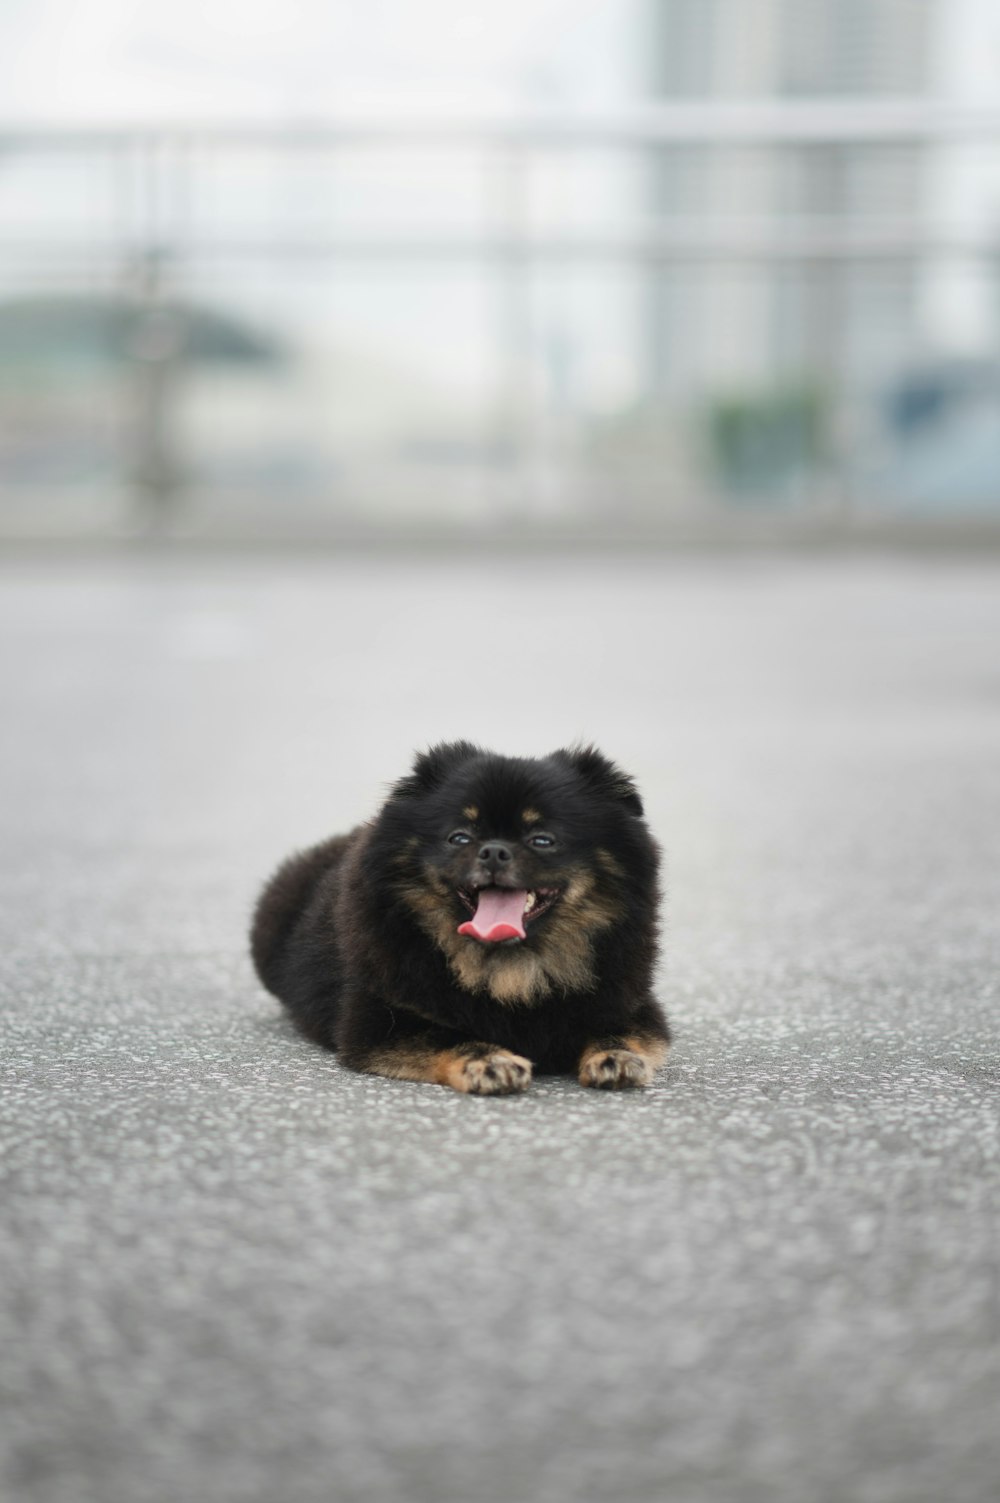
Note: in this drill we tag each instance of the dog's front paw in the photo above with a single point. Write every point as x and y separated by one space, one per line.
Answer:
614 1069
496 1072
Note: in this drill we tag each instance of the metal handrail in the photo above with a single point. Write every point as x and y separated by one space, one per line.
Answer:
155 233
839 121
725 240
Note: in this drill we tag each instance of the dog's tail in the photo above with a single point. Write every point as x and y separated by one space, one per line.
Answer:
284 902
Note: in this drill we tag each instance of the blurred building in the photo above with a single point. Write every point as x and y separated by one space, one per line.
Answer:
786 321
658 266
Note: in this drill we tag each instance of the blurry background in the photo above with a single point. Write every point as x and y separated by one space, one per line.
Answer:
300 269
628 275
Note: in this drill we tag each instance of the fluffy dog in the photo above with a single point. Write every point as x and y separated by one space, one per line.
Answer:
499 914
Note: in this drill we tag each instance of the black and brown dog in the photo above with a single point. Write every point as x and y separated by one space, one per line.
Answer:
498 914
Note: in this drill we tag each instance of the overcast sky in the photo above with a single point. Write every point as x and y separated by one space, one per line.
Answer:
131 59
128 59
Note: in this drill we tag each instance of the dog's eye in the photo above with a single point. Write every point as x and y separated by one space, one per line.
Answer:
460 837
541 842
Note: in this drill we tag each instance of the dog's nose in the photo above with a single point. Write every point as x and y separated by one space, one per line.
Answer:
493 854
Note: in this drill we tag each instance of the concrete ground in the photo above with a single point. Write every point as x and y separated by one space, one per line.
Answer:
234 1273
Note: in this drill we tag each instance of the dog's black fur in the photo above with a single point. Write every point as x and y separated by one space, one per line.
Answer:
358 936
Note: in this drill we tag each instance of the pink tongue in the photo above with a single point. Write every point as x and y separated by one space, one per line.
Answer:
499 915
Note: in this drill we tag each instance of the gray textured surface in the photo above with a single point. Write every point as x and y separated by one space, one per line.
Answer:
231 1271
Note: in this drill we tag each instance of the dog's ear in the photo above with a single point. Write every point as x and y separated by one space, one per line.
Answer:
602 775
432 766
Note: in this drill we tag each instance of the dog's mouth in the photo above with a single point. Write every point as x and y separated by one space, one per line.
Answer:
500 913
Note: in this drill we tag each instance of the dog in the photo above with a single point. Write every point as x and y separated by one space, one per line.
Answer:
499 915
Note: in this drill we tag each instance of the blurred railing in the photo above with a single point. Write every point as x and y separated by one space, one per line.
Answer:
140 241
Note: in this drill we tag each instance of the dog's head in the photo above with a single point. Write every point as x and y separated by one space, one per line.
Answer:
513 866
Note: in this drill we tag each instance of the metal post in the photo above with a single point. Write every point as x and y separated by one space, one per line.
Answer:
514 311
155 347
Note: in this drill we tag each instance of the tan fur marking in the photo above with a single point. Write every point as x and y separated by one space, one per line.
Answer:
561 955
608 862
498 1073
565 947
404 1062
531 816
622 1063
404 855
474 1069
471 812
652 1049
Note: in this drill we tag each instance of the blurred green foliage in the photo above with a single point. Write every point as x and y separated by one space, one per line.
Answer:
761 442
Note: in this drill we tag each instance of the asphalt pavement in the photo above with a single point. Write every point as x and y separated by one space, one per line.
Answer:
232 1272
